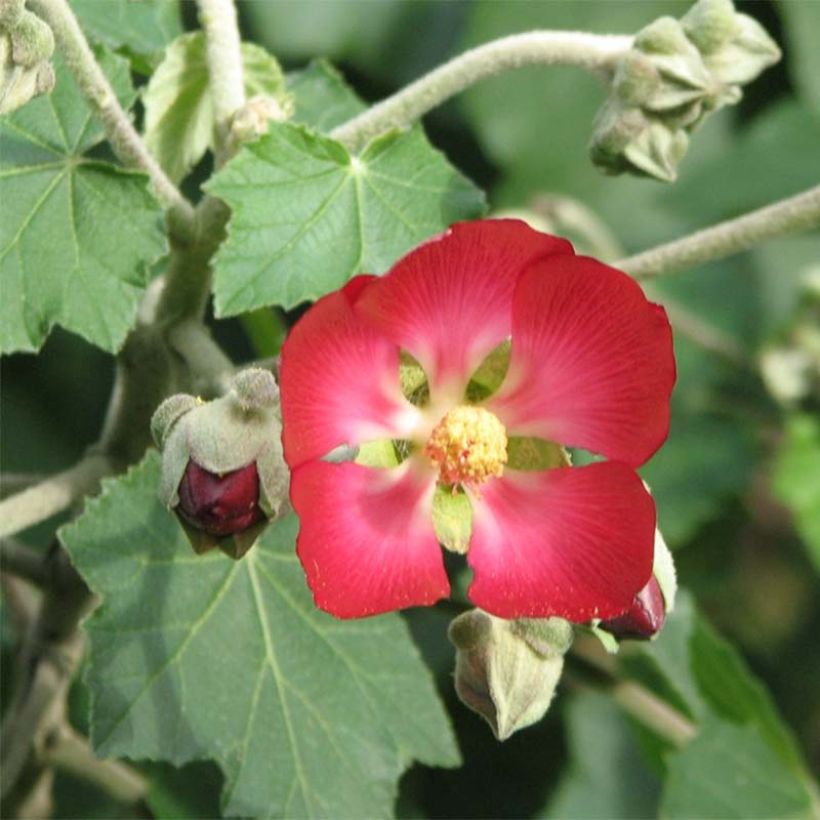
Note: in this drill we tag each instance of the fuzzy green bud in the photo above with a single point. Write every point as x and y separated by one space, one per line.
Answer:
507 671
222 467
675 75
26 45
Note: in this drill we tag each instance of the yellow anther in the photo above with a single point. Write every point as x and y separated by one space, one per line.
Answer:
469 445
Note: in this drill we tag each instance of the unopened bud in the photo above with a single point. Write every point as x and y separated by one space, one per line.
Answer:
10 12
32 41
254 118
222 467
507 671
675 74
220 504
643 619
26 45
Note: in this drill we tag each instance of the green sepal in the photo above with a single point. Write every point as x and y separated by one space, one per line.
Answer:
452 519
380 453
529 453
490 373
412 379
226 434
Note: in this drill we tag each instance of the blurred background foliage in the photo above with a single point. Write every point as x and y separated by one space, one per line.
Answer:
738 482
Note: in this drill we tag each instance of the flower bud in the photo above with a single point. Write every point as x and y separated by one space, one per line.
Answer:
220 504
675 74
643 619
223 472
507 671
26 45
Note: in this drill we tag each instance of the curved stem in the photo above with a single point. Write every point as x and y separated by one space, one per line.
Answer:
800 212
94 85
224 53
595 52
55 494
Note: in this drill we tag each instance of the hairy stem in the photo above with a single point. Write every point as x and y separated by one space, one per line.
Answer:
55 494
800 212
95 87
223 48
596 52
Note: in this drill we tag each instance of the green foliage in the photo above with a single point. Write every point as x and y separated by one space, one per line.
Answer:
797 478
802 22
103 226
203 657
142 29
179 118
323 99
729 771
699 673
606 777
307 216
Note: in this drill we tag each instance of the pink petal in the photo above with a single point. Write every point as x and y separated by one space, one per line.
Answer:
339 380
366 538
592 363
575 542
448 302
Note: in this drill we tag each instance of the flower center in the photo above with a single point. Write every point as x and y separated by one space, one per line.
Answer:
469 445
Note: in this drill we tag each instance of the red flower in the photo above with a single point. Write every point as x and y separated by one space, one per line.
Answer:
591 366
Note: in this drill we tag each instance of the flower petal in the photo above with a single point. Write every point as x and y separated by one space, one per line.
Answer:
366 539
592 362
448 302
339 381
575 542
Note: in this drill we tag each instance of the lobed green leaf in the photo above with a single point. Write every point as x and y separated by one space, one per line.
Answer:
77 235
204 657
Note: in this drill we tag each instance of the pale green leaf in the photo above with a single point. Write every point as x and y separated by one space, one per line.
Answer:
144 27
322 98
77 235
204 657
797 478
179 118
307 216
729 771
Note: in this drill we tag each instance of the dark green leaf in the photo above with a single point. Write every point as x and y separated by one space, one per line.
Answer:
322 98
307 216
729 771
204 657
143 27
77 235
606 777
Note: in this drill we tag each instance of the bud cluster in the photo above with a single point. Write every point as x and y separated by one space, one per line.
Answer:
676 73
26 45
507 671
223 472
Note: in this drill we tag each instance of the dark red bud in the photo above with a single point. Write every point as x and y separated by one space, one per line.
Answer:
220 505
644 618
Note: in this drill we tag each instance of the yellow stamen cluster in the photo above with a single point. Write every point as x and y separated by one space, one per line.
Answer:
469 445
